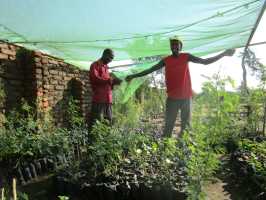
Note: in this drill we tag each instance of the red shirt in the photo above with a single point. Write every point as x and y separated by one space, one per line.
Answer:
177 77
101 83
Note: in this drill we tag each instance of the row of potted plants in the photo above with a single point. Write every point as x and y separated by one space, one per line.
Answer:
249 163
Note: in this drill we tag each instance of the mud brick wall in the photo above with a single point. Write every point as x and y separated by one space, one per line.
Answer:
11 78
43 81
56 81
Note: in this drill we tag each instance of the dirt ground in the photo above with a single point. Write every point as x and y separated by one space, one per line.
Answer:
227 188
221 190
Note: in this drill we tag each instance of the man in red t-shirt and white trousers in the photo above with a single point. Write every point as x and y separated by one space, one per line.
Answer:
178 83
102 84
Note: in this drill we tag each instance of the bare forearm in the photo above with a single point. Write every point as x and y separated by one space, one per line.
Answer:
213 59
148 71
143 73
206 61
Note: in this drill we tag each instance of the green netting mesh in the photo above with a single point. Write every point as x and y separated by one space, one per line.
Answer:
78 31
126 90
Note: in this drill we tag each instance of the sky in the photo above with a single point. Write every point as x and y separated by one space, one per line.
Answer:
231 66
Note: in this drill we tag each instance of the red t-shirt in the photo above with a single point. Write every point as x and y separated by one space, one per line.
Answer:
177 77
101 83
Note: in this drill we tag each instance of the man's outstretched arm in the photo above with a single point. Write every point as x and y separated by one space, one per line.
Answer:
206 61
155 67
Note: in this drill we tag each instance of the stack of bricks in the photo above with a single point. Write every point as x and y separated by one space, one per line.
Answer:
45 81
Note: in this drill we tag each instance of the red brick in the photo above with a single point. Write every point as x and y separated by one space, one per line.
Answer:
38 76
9 52
47 87
59 78
3 56
37 59
54 82
44 60
45 104
63 64
38 53
12 47
39 83
38 64
38 71
59 87
4 45
45 99
39 93
12 57
45 73
53 72
53 62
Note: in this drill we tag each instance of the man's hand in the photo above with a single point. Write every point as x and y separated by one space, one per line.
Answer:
229 52
129 78
117 81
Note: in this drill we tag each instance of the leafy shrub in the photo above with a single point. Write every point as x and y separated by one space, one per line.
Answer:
254 153
120 157
256 102
215 109
24 137
75 119
127 115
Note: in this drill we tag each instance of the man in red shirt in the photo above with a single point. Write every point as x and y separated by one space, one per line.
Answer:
178 83
102 84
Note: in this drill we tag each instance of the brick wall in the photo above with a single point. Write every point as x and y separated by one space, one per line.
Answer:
10 77
42 80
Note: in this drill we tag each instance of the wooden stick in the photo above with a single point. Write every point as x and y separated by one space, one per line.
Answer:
3 194
14 189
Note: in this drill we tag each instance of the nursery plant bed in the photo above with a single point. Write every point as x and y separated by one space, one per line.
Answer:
107 191
248 164
40 188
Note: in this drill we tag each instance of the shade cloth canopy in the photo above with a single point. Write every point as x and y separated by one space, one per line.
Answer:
79 30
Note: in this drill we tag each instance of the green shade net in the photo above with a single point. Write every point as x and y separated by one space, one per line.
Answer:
78 31
126 90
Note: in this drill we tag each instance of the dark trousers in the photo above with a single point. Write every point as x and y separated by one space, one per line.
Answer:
100 111
172 108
